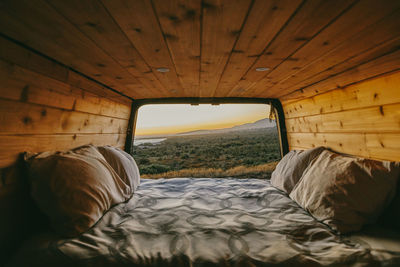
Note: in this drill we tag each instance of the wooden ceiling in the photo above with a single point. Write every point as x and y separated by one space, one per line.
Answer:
212 48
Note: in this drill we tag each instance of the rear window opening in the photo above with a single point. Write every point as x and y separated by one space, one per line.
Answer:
210 141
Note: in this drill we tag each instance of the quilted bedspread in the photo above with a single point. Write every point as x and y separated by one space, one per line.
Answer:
208 222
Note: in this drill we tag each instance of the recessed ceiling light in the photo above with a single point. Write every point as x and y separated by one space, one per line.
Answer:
262 69
162 69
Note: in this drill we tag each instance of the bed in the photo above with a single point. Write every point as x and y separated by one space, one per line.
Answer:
210 222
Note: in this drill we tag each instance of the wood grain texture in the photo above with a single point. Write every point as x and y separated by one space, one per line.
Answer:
386 64
16 54
25 118
374 146
98 25
221 25
337 41
43 107
39 26
305 24
141 25
357 49
384 118
211 48
20 84
254 38
180 24
12 145
375 92
362 119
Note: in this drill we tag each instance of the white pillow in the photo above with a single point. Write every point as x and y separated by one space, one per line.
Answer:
75 188
346 192
123 164
291 167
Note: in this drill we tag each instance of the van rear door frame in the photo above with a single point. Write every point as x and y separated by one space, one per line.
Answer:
275 103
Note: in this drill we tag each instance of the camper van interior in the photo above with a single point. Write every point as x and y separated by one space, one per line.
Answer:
75 74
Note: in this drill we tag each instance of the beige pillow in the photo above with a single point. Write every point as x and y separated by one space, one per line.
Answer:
123 164
346 192
75 188
291 167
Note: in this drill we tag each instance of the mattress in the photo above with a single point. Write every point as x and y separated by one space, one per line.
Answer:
207 222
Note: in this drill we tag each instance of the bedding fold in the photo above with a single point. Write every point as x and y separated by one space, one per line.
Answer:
206 222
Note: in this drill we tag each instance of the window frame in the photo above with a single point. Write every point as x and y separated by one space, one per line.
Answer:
275 103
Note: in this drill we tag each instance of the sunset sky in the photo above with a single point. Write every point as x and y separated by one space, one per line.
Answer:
168 119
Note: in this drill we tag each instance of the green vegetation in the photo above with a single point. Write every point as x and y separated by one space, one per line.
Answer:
248 153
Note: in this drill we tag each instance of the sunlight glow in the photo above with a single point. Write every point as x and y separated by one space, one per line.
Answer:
177 118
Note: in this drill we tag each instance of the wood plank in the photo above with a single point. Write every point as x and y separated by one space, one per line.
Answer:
17 83
140 24
374 41
384 146
221 26
96 105
79 81
100 27
12 145
380 119
374 146
264 21
308 21
332 36
373 54
297 148
25 118
16 54
180 22
375 92
350 143
28 22
372 69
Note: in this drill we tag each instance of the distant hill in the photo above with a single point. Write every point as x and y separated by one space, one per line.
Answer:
263 123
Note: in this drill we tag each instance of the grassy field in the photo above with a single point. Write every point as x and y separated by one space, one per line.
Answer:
249 153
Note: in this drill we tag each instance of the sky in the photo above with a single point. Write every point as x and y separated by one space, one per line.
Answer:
169 119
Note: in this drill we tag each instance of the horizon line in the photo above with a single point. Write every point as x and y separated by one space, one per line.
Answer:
190 131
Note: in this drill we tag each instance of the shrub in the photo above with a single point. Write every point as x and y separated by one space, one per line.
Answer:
262 171
144 161
154 169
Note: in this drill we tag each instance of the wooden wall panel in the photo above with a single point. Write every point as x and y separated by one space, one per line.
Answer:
40 113
41 108
362 119
45 106
35 64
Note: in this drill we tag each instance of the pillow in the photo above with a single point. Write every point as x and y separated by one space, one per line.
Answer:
123 164
75 188
291 167
346 192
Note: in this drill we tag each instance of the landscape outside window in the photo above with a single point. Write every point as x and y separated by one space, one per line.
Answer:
227 140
